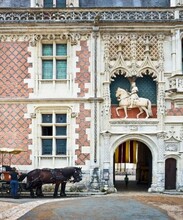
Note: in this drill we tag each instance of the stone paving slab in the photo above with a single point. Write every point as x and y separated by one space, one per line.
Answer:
13 209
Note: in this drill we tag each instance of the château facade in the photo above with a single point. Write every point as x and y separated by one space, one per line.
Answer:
61 64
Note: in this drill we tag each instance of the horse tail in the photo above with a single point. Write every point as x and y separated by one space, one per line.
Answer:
149 108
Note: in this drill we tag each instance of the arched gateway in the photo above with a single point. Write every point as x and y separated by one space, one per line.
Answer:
133 160
135 155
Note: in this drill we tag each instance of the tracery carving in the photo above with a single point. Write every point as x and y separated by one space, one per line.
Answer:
161 100
76 15
171 147
172 135
106 107
74 38
133 54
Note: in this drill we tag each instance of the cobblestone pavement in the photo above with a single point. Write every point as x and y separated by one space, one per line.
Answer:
126 205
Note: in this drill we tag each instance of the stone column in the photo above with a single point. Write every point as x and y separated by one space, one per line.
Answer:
105 158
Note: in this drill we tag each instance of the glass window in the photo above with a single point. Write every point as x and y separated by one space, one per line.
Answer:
54 134
60 3
61 146
61 130
61 68
61 118
54 61
47 118
48 3
47 50
61 49
47 146
47 69
54 3
47 131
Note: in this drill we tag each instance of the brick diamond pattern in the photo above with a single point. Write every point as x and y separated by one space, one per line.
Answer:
14 131
14 69
83 137
83 63
174 111
82 78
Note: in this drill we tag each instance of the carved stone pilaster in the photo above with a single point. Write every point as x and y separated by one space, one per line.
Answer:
106 147
106 110
180 184
106 39
161 149
160 66
159 179
161 98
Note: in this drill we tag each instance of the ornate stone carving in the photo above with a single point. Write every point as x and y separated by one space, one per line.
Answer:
34 38
172 136
171 147
106 107
133 54
161 99
76 15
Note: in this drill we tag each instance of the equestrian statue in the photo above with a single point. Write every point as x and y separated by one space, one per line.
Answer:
128 100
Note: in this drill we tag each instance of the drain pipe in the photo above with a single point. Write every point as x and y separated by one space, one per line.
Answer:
95 35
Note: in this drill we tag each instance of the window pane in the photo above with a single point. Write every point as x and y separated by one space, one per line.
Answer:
47 50
48 3
61 118
61 49
61 68
47 131
47 69
61 130
61 3
46 118
47 146
61 146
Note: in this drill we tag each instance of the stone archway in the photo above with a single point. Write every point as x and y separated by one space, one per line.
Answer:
138 167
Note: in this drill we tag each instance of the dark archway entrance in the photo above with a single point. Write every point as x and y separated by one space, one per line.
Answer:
134 159
170 173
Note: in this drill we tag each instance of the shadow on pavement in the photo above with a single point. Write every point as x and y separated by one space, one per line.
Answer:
133 186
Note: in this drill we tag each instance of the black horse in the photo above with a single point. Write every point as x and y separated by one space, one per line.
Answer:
36 178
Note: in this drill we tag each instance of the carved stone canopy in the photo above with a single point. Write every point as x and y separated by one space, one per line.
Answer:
133 54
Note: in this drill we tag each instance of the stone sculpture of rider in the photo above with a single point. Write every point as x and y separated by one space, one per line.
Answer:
133 95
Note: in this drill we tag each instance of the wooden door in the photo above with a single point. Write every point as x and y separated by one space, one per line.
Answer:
170 174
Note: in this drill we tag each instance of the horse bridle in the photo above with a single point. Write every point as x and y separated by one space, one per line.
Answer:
123 98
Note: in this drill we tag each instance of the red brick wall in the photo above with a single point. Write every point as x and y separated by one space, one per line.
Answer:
14 128
14 69
174 111
83 77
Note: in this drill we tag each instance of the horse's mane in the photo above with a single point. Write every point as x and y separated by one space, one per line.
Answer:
65 171
68 171
32 171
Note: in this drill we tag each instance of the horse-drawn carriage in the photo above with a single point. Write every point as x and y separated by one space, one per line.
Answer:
34 179
5 181
5 171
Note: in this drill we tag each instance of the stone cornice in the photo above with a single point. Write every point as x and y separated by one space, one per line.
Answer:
91 15
130 121
48 100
